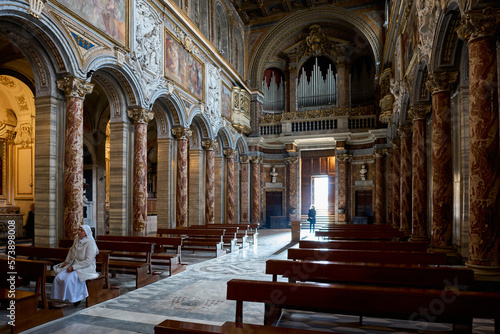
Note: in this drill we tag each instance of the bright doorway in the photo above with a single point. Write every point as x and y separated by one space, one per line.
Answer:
320 195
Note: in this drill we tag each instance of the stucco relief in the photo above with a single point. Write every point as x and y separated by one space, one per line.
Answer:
213 89
146 59
428 12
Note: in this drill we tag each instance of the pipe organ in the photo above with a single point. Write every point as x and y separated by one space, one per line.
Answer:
318 90
274 94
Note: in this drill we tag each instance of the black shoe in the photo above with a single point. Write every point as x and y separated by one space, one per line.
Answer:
77 303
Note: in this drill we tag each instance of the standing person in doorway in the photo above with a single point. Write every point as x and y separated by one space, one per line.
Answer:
312 219
29 228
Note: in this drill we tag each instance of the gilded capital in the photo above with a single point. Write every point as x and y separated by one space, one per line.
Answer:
440 82
181 133
419 112
255 160
75 87
405 131
476 24
230 154
140 115
210 145
291 160
378 153
343 157
244 159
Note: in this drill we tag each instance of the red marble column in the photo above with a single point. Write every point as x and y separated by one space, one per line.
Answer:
479 30
390 186
141 117
342 161
291 187
379 187
210 146
255 188
405 173
230 155
75 90
419 176
244 204
396 185
442 179
343 83
182 135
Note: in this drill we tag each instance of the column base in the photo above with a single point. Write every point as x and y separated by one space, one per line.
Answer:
419 239
442 249
485 273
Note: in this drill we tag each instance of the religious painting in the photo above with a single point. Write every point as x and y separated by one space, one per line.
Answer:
109 16
183 67
226 111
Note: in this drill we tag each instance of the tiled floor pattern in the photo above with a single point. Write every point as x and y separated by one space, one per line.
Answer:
198 295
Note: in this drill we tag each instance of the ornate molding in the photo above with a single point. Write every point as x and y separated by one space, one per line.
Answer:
140 115
478 24
419 112
182 133
36 7
75 87
343 157
210 145
291 160
440 82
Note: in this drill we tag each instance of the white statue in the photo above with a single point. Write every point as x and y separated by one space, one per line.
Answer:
273 174
363 172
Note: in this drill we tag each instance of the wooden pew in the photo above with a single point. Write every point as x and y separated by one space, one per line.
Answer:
99 288
178 327
371 274
230 237
25 304
128 257
366 245
250 228
197 239
366 256
358 227
451 306
360 234
160 255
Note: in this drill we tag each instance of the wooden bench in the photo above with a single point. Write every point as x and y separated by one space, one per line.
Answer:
160 255
230 237
128 257
23 306
250 228
177 327
431 305
198 239
371 274
366 245
99 288
366 256
360 234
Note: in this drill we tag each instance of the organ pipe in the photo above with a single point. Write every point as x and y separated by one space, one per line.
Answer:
316 91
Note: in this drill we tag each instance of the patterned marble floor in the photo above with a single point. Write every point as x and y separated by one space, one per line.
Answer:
199 295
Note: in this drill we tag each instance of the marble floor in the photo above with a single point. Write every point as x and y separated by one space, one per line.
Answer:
199 295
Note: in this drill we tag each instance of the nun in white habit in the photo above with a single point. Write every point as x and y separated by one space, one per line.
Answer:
79 266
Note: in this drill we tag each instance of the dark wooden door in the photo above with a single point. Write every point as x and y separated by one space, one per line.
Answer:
274 206
364 204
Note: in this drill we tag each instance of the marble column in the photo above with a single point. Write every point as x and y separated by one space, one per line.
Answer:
343 83
342 161
245 195
182 135
255 188
230 155
442 179
210 146
390 186
478 28
405 177
75 90
419 176
141 117
291 187
379 188
396 184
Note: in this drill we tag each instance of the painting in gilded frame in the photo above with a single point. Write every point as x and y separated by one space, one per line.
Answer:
226 103
109 16
183 67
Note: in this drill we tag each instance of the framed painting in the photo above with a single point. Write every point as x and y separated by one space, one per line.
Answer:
226 103
183 67
108 16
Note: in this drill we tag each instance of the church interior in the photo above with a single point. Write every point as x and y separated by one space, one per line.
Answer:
142 117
